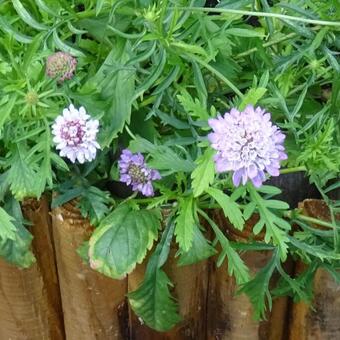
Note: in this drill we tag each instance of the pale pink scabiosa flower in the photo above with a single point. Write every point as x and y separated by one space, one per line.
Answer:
248 144
61 66
75 135
134 172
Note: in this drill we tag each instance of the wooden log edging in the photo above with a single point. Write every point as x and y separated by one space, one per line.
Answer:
93 305
30 305
190 290
320 320
230 316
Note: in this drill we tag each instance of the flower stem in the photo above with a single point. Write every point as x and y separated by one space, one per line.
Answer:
294 169
261 14
130 132
315 221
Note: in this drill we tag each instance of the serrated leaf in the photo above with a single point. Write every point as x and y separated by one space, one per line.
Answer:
199 250
230 208
204 173
236 266
23 180
276 227
27 17
152 301
192 105
162 315
122 240
94 204
18 250
185 223
252 97
7 228
257 289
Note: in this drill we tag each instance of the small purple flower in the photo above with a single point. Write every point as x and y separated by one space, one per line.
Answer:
134 172
61 66
248 144
75 135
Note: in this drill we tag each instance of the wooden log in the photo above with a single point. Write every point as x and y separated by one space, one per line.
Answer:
230 316
30 304
320 320
93 305
190 290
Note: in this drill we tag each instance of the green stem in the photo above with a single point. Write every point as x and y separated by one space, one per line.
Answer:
217 73
271 43
130 132
261 14
294 169
314 221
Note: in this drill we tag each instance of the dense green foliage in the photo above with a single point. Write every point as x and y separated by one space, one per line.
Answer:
153 73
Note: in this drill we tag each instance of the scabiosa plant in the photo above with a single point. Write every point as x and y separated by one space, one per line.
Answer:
75 135
134 172
61 66
248 144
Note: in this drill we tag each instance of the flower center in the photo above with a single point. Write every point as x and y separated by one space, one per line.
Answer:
136 173
31 98
73 132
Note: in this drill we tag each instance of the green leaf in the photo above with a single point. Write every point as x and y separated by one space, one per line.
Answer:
257 289
65 47
7 228
156 72
18 250
244 32
192 105
252 97
276 227
94 204
204 173
122 240
26 17
269 189
7 28
22 178
120 97
199 250
235 264
185 223
152 301
6 110
163 157
99 6
230 208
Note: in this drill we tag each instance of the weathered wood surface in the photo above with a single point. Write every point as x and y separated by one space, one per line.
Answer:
321 319
230 316
30 306
93 305
190 291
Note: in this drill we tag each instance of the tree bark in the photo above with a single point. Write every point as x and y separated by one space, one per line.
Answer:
93 305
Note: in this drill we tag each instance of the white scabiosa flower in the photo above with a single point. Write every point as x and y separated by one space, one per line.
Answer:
75 135
248 144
